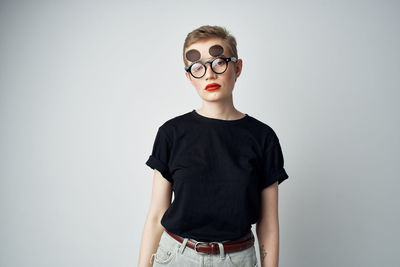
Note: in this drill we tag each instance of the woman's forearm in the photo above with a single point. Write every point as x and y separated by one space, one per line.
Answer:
150 238
269 247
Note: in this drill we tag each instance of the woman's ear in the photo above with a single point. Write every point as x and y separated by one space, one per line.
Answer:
238 69
188 76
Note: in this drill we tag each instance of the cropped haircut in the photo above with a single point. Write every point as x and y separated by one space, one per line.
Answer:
207 32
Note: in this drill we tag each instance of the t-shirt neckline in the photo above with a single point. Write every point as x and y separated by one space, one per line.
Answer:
204 118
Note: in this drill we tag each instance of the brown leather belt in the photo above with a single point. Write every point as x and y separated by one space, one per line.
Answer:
213 248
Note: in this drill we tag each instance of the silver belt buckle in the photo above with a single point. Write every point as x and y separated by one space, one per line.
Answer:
199 242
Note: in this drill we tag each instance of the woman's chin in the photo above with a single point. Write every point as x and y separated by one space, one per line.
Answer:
213 97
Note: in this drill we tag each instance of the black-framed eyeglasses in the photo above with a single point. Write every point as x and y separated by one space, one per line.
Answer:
218 65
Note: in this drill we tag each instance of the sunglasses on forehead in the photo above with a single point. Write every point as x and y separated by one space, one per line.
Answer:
218 65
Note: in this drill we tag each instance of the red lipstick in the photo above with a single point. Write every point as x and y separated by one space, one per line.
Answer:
212 86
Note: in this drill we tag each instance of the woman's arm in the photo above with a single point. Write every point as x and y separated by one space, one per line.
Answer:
160 201
267 228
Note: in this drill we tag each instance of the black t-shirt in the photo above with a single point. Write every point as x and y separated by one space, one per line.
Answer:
217 169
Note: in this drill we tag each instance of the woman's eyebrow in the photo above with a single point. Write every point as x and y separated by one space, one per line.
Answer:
210 58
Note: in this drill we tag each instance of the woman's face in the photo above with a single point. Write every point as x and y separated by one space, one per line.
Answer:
206 50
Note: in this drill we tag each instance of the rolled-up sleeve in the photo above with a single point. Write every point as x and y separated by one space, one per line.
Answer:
160 155
272 163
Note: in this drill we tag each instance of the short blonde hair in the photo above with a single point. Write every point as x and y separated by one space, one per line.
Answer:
208 32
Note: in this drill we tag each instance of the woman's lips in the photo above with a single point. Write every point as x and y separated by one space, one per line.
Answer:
212 86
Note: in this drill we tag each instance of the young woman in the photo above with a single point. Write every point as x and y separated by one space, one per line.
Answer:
223 165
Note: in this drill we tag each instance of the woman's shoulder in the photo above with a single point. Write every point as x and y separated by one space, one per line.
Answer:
259 125
174 122
176 119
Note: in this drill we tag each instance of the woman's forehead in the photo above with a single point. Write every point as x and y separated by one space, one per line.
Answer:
199 50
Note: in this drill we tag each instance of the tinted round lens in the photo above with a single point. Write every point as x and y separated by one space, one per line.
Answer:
219 65
197 70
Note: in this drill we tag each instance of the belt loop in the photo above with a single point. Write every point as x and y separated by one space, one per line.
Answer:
183 245
151 258
221 250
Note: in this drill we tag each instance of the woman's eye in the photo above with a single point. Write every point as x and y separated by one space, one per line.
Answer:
218 63
196 68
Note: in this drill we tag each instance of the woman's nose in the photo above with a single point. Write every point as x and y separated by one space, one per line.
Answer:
210 73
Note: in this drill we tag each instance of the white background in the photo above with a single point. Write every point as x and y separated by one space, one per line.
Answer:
84 85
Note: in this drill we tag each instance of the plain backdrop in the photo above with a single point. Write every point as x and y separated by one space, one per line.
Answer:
85 85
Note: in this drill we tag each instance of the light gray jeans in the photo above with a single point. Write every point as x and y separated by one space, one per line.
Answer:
171 252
